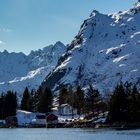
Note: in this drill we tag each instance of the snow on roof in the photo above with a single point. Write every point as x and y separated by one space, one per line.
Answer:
63 105
23 111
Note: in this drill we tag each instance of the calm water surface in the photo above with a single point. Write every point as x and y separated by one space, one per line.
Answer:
68 134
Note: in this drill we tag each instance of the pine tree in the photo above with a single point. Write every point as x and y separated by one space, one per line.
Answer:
128 88
71 98
45 101
32 103
1 106
36 99
63 96
10 104
92 100
134 105
118 105
25 102
106 99
79 99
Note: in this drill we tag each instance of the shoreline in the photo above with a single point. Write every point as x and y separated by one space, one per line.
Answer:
115 126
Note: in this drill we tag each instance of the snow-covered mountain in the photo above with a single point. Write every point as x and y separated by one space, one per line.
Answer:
105 51
18 70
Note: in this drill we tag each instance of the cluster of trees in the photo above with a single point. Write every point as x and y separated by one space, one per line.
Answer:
91 101
37 101
8 104
73 97
124 104
34 101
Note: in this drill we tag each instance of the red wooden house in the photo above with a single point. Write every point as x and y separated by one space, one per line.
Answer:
51 120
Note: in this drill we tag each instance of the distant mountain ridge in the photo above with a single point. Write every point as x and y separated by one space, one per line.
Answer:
105 51
19 70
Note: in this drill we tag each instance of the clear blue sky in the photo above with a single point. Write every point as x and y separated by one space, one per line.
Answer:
34 24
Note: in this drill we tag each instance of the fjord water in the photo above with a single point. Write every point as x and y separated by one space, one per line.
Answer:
68 134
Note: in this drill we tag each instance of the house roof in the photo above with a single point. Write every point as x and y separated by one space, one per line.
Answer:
63 105
51 117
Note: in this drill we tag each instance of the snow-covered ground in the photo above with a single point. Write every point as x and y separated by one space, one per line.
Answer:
62 118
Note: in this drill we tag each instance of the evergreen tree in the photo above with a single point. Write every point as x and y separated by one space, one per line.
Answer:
134 105
36 99
92 100
71 99
79 100
106 99
45 101
63 96
128 88
32 103
25 102
1 106
10 104
71 96
118 105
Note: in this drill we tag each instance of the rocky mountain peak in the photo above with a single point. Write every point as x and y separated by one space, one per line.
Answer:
19 70
104 52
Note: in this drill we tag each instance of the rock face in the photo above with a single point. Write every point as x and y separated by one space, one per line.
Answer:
19 70
105 51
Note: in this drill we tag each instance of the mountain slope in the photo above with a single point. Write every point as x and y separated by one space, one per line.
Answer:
19 70
105 52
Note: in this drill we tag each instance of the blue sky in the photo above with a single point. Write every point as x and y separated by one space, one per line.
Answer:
32 24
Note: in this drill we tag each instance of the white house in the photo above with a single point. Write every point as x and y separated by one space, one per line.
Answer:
25 118
66 110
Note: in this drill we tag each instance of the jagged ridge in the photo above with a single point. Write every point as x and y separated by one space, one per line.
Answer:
105 52
19 70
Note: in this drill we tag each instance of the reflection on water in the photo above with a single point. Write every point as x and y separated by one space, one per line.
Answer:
68 134
130 132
